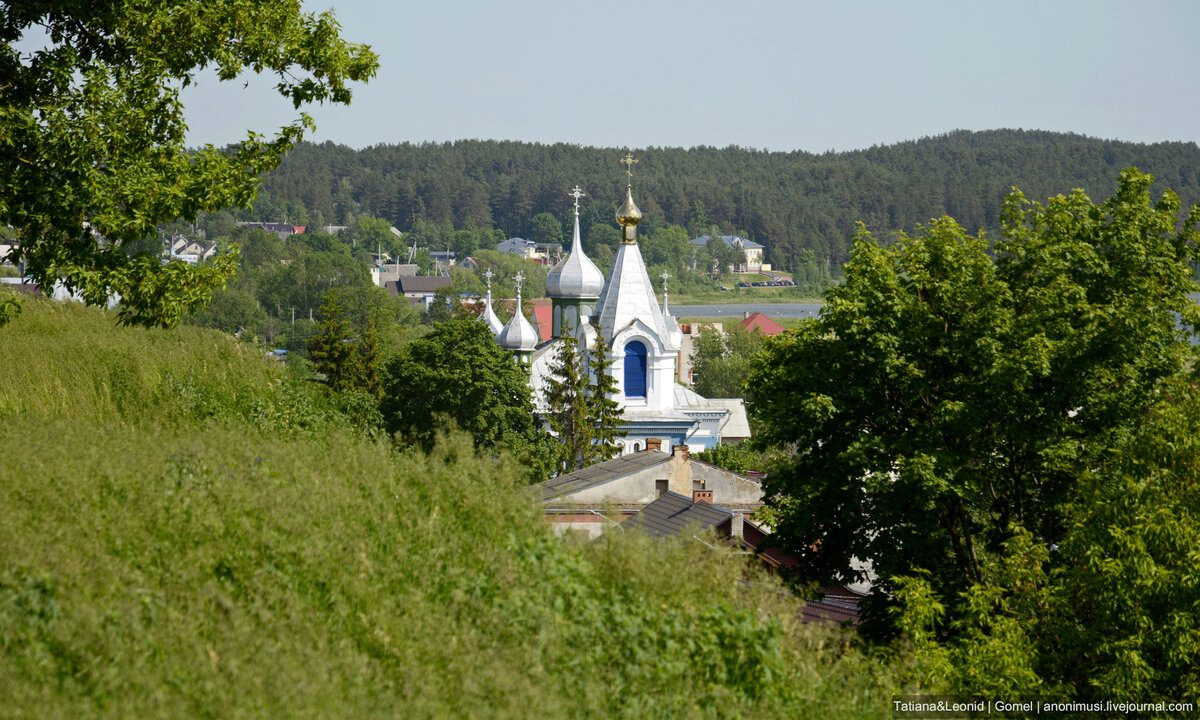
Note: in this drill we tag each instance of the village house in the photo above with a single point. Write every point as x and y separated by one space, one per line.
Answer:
604 494
754 252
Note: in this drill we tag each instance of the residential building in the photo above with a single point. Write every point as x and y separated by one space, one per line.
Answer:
604 494
754 252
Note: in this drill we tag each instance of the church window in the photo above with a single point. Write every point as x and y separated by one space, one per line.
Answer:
635 369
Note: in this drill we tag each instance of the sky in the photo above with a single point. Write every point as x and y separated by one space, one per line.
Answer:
765 74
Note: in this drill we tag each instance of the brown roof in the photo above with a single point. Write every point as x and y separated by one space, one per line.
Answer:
672 512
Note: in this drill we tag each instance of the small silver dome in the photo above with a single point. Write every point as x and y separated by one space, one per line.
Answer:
575 276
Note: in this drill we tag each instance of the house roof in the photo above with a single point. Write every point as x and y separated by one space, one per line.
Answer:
763 324
672 512
736 425
729 239
423 283
838 606
516 245
600 472
542 315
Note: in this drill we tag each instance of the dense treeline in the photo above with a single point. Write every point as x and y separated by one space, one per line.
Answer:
801 206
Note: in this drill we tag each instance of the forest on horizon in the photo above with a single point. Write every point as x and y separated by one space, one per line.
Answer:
802 207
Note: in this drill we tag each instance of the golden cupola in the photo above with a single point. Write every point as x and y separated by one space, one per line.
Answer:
628 215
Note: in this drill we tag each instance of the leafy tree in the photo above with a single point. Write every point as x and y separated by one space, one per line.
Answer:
93 132
544 228
1108 611
232 309
945 401
735 457
458 371
721 361
719 252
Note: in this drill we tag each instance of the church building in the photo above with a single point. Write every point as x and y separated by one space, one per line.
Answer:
643 337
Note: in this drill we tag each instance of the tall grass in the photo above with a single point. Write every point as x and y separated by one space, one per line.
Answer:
162 561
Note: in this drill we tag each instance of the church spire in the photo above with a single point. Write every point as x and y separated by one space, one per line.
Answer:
488 315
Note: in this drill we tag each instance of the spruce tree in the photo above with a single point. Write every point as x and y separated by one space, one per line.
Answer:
332 350
603 412
567 398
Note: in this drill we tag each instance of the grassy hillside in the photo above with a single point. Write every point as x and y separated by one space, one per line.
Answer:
187 531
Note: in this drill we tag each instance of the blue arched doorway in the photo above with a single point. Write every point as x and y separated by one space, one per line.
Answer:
635 369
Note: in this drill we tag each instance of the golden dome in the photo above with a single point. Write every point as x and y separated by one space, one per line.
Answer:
628 213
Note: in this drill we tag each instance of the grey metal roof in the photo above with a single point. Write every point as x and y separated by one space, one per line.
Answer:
749 244
600 472
672 512
423 283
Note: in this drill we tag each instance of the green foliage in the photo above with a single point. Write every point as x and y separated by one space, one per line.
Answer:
94 134
545 228
721 361
802 207
603 410
506 266
346 355
737 457
566 396
944 398
1109 611
10 307
458 372
246 564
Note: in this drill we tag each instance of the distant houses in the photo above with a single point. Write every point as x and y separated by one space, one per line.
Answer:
754 252
543 253
606 493
283 230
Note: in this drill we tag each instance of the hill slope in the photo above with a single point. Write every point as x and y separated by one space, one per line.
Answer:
186 531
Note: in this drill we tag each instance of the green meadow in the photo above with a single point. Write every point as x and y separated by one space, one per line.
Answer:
190 530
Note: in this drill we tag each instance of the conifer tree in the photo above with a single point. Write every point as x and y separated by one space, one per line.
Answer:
567 394
581 411
349 360
604 412
331 349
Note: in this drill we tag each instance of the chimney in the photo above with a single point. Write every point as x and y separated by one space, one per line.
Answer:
702 496
736 528
654 443
682 451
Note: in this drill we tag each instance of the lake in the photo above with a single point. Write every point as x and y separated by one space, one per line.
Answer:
739 310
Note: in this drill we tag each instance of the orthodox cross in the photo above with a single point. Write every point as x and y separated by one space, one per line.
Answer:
577 193
520 279
665 277
489 275
629 162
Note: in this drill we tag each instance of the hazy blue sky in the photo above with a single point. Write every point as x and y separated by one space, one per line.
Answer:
771 74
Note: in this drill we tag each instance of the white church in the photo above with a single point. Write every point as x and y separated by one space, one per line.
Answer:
644 338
